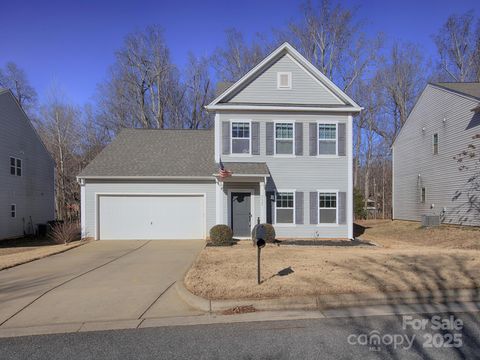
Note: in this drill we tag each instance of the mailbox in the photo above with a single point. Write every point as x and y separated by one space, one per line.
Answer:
259 235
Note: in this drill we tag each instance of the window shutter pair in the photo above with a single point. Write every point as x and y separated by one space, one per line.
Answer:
341 205
255 137
270 138
341 144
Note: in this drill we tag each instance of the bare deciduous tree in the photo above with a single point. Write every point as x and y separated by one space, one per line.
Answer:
199 93
332 39
458 45
14 78
401 76
237 57
141 84
58 125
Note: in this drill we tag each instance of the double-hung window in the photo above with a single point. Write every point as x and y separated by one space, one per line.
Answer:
435 144
240 137
327 139
284 213
327 209
15 166
284 138
13 210
423 195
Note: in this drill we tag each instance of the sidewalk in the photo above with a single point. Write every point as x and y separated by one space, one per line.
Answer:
212 318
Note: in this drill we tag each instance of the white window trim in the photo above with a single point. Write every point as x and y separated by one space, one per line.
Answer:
336 139
249 138
289 74
318 208
21 166
275 212
433 144
275 138
14 211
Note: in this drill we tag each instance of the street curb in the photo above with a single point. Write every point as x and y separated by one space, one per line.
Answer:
326 302
193 300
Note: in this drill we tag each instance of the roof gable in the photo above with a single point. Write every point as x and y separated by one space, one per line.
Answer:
12 101
425 102
305 89
310 88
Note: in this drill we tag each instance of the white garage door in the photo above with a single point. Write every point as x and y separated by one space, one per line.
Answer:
151 217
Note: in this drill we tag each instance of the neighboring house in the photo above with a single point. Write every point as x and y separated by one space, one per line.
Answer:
283 133
426 177
26 173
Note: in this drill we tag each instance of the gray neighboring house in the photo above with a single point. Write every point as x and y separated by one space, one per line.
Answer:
283 134
426 177
26 173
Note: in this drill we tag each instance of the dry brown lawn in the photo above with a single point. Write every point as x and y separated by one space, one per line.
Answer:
15 252
408 258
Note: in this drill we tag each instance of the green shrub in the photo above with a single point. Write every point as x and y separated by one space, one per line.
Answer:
358 205
221 235
269 230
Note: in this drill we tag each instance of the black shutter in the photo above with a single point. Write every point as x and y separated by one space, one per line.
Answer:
313 132
298 207
298 138
226 137
342 207
255 138
342 143
270 201
313 207
269 138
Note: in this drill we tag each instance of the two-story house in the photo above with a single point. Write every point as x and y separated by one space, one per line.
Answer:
280 152
26 173
427 177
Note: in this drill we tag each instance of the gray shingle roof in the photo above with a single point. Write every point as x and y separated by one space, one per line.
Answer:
139 152
244 168
471 89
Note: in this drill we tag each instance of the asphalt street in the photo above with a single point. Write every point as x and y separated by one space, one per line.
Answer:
429 336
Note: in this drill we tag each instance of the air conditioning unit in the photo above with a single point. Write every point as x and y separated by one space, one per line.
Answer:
430 220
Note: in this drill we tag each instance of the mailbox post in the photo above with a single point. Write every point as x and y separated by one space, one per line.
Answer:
260 242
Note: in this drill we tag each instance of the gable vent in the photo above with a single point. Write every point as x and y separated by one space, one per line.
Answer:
284 80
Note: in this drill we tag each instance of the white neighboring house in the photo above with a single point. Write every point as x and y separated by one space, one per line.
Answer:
284 134
26 173
426 177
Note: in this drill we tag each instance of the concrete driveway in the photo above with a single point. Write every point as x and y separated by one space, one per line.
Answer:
99 281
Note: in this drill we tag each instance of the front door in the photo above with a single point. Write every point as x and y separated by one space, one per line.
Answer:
240 214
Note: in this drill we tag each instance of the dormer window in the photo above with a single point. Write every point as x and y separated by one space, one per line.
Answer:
284 80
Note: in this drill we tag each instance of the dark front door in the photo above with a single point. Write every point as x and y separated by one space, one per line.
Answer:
240 213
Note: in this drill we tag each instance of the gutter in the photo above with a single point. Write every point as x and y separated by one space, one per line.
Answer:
280 108
94 177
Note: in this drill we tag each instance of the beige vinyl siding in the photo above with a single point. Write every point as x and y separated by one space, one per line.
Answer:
33 192
305 89
439 174
145 187
303 173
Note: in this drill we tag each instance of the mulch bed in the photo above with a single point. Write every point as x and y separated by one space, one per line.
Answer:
344 243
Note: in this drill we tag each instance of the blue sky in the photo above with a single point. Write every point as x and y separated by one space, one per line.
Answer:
72 43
